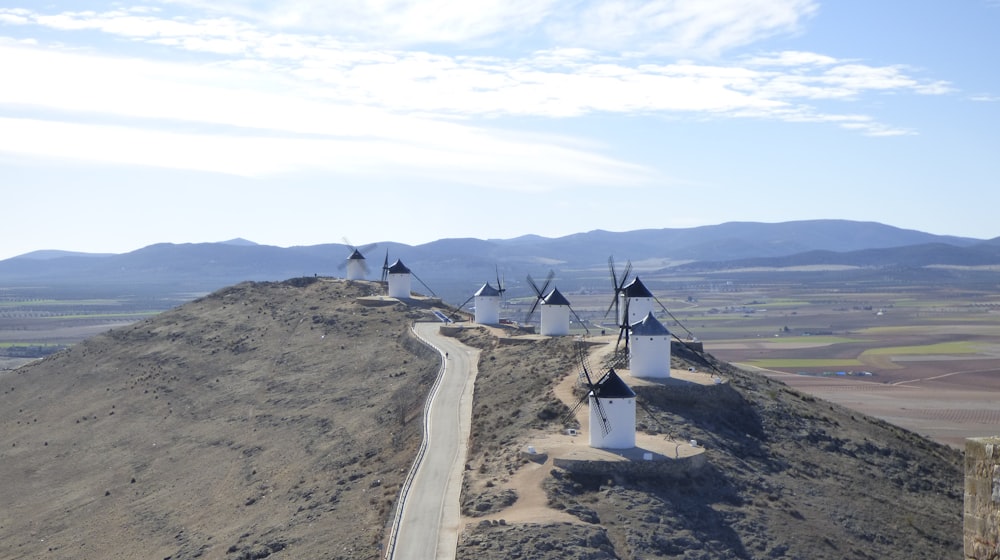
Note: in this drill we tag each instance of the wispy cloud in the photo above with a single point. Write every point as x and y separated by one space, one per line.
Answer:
258 82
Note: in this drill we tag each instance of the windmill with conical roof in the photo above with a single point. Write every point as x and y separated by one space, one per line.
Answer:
649 351
356 265
398 277
555 309
612 409
487 304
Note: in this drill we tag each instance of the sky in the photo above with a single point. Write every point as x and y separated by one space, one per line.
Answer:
302 122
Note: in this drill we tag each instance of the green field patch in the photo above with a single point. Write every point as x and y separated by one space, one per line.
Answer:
790 363
956 347
129 316
59 302
817 340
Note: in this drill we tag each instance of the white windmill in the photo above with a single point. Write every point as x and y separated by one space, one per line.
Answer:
487 304
638 301
612 409
649 348
399 280
556 309
356 265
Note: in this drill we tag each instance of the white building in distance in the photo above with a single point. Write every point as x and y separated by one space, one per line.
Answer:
357 269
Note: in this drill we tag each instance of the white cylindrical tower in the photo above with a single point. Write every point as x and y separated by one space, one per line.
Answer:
635 298
649 348
617 402
488 305
399 280
555 314
356 267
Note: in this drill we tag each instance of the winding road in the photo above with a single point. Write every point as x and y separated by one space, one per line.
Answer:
427 526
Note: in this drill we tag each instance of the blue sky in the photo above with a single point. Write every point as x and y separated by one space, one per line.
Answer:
302 122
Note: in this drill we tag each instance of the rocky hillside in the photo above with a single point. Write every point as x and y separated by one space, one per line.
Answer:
278 420
269 420
788 476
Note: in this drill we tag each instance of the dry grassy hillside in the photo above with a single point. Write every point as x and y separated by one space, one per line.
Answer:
265 420
277 420
788 475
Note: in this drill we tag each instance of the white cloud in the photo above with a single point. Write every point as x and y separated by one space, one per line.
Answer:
679 27
271 84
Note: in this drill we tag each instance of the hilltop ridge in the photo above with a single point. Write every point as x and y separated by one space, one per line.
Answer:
277 420
263 420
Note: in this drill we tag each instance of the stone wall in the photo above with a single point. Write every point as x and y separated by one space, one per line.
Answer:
982 498
631 470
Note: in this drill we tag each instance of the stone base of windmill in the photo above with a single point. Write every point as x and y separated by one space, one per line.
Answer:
654 456
383 301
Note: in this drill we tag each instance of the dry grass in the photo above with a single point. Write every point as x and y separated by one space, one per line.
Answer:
264 418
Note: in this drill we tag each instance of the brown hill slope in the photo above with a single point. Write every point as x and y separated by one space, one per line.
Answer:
788 475
265 420
278 420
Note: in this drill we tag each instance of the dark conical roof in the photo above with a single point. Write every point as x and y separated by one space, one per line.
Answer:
487 290
636 289
649 326
612 387
356 255
555 297
398 268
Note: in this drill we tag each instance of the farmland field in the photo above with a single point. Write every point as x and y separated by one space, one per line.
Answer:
923 354
35 322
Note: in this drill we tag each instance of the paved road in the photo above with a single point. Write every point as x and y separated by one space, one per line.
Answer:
428 526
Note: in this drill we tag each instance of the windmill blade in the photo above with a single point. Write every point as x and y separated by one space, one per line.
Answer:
422 283
534 287
527 318
628 270
623 328
459 308
571 415
500 287
649 412
605 423
671 315
579 320
617 285
539 294
592 389
614 285
385 267
362 249
548 280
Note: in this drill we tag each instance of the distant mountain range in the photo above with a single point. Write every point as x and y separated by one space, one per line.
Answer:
457 266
